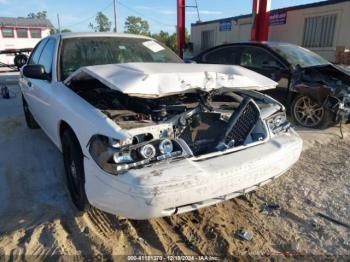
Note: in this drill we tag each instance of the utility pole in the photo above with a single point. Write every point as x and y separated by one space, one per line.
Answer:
261 16
58 22
180 26
115 15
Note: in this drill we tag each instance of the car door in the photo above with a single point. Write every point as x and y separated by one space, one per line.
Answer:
41 90
29 85
226 55
262 61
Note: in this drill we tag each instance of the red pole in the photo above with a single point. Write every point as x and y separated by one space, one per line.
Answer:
261 20
180 27
254 32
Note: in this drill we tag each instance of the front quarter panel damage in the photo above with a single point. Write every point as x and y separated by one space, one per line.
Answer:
326 85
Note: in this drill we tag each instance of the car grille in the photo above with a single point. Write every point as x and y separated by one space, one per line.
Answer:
241 123
207 131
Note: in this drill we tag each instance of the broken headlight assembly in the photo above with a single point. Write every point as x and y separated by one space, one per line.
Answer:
114 157
278 123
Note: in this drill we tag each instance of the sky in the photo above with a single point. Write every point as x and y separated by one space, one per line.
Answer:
161 14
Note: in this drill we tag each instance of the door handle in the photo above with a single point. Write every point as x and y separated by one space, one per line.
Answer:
29 84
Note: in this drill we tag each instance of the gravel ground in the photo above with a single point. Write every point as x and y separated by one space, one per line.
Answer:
37 217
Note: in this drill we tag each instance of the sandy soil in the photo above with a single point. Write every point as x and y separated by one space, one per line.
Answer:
37 217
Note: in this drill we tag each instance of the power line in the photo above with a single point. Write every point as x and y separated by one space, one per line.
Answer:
89 18
125 6
197 8
148 17
199 18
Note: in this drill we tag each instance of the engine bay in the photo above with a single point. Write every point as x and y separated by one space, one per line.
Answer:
199 122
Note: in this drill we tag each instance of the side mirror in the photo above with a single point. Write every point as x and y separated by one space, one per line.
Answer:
35 71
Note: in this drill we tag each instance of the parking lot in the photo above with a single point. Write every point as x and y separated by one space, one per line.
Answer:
37 217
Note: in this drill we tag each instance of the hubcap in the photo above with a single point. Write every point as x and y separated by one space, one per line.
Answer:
307 112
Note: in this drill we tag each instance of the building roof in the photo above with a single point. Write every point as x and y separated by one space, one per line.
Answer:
286 9
25 22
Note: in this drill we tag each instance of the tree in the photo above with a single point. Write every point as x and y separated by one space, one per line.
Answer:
170 40
102 23
66 30
166 38
135 25
40 14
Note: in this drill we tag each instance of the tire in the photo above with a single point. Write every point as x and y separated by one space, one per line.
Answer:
308 113
30 121
74 169
20 60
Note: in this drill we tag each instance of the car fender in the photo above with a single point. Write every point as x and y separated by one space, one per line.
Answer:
84 119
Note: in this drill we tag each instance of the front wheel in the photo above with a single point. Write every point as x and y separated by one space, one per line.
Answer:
30 121
74 168
308 113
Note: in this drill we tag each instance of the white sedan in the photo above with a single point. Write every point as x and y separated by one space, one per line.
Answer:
144 135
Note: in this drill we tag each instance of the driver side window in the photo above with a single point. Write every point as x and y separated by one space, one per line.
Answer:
258 58
34 57
46 56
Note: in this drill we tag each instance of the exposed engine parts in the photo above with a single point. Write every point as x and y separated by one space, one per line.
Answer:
327 86
201 122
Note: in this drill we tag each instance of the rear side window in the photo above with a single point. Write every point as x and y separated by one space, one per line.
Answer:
257 58
46 56
34 57
223 55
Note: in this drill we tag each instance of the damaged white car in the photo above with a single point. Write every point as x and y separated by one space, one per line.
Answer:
144 135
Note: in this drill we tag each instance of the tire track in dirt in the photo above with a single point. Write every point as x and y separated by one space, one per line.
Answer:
171 241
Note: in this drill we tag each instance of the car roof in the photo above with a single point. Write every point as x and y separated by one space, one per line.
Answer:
100 34
261 43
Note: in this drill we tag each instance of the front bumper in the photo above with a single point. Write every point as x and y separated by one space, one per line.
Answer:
185 185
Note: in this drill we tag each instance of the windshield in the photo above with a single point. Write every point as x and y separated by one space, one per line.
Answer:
88 51
297 55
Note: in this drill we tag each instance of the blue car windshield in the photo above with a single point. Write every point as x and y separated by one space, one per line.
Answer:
297 55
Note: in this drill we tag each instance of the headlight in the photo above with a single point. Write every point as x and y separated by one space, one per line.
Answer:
166 146
114 157
278 123
148 151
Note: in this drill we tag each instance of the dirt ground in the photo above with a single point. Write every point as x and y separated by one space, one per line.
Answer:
37 217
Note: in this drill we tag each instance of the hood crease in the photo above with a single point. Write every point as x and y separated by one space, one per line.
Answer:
160 79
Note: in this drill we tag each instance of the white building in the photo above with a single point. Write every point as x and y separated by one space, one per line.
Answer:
318 26
18 33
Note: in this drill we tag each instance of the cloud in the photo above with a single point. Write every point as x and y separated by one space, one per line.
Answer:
166 11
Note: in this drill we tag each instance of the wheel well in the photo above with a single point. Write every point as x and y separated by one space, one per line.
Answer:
64 126
289 102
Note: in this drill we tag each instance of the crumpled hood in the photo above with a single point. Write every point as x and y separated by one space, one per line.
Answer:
161 79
